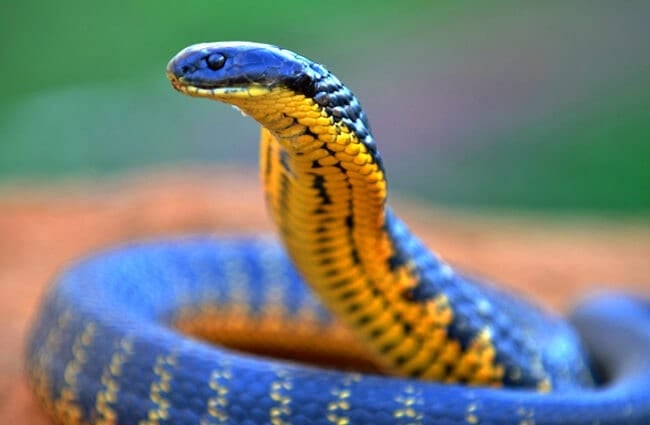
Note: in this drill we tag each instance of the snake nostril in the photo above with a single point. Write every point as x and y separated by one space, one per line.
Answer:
185 69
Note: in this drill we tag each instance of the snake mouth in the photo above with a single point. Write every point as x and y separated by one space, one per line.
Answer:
181 85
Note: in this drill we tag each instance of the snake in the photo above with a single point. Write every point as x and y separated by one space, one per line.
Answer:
345 317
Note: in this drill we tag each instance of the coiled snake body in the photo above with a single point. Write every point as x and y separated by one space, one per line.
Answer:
106 346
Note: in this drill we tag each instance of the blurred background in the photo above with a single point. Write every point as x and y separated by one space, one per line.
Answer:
542 107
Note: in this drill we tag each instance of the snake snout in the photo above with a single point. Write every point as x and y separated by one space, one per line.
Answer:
200 66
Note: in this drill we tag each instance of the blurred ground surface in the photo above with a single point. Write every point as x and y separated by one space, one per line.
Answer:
43 228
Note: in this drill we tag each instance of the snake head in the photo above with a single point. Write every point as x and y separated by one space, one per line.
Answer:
229 69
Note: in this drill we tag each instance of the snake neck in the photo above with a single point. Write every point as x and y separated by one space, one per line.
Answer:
327 200
326 190
324 181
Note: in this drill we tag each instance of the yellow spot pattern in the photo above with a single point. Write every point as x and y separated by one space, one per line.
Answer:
280 413
218 403
67 405
410 402
527 416
52 345
108 395
159 387
472 416
339 407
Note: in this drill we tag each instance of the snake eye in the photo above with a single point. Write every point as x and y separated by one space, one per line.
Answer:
215 61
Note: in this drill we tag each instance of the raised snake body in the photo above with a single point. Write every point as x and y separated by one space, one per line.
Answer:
106 349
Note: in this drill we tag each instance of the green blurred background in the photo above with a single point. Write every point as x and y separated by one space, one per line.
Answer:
541 107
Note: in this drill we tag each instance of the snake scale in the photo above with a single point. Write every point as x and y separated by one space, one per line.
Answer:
222 330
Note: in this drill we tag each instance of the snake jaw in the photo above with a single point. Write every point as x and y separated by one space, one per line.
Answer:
223 94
